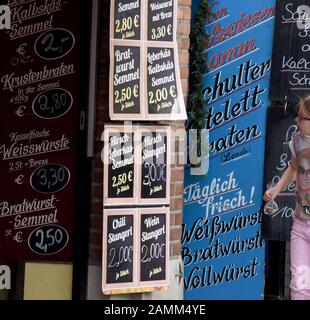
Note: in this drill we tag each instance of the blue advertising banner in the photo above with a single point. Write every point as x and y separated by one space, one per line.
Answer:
223 249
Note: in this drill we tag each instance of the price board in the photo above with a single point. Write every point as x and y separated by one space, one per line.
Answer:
135 250
136 165
154 246
119 254
145 81
155 165
40 80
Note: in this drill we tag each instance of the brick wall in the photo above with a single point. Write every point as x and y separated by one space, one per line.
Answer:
102 116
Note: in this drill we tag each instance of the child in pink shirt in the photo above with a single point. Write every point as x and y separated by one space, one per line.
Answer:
299 171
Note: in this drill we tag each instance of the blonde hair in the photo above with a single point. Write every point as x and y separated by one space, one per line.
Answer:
304 105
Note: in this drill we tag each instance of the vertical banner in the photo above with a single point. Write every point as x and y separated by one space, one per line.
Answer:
223 249
39 129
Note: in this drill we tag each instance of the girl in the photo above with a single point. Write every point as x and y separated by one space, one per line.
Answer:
299 170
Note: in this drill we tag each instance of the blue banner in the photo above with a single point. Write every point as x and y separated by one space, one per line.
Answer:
223 249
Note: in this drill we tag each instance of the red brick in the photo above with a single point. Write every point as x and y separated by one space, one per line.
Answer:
178 218
177 174
176 204
178 189
176 249
175 234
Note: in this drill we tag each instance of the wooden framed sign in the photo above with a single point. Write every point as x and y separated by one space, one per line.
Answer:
119 248
120 168
155 165
135 250
145 81
136 165
126 89
154 246
164 90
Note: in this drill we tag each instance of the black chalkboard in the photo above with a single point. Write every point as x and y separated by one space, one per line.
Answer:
280 129
290 61
160 20
127 19
126 80
121 165
120 231
154 165
153 247
54 44
161 80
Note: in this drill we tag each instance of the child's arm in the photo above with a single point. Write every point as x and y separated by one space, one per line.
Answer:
287 178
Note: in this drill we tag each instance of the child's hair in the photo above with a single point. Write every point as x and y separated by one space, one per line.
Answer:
304 104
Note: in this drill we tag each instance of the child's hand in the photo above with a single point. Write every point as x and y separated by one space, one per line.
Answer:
271 194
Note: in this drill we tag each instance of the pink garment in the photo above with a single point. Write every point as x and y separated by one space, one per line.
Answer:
300 260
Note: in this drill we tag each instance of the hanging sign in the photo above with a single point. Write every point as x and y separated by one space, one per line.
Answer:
290 59
145 81
135 250
136 165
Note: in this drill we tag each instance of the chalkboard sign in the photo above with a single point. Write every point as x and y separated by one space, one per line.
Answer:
118 247
126 22
145 81
153 247
135 249
155 171
125 94
50 178
280 129
290 62
162 89
120 168
52 103
136 165
161 20
48 239
54 44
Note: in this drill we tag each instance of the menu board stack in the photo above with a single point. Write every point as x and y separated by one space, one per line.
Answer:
145 85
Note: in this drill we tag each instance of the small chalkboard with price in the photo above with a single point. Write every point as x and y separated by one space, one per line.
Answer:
163 96
280 130
120 167
154 246
126 21
155 165
125 81
119 249
162 20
